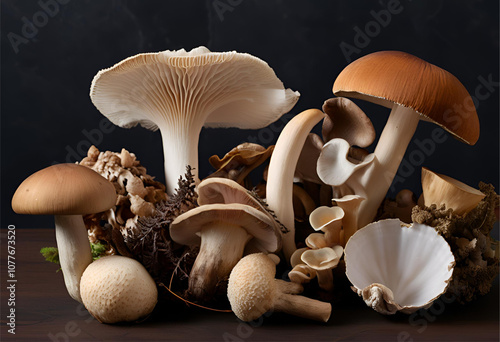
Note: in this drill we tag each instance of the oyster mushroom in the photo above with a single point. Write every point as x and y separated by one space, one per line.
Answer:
240 161
118 289
347 121
440 189
323 260
222 232
279 189
316 241
67 191
350 205
179 92
414 90
398 268
329 221
302 274
252 291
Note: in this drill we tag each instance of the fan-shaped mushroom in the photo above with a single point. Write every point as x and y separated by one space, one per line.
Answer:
179 92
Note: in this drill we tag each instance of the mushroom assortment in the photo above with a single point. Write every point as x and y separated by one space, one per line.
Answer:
231 240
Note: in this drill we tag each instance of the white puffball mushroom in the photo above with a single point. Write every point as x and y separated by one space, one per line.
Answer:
118 289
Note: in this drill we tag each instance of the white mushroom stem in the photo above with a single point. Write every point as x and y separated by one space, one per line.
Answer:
180 149
279 189
389 152
299 305
221 248
74 251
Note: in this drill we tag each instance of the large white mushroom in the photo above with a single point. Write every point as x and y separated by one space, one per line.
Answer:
414 90
67 191
179 92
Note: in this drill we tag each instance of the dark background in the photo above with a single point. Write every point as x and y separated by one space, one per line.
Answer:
45 106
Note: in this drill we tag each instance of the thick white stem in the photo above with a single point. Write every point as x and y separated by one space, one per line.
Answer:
180 149
389 152
74 251
279 189
221 248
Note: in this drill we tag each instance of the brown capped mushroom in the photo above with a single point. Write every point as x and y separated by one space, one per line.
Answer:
347 121
415 90
221 231
252 291
240 161
67 191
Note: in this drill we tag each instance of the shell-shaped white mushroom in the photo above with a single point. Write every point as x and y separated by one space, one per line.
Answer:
397 268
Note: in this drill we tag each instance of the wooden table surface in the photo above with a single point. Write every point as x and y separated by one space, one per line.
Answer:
45 312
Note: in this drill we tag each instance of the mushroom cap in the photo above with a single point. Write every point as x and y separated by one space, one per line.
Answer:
306 165
64 189
334 165
347 121
186 227
225 191
118 289
324 258
251 289
217 89
441 189
393 77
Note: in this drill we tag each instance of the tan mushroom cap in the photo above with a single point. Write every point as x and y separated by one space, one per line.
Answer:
441 189
64 189
324 258
185 228
118 289
393 77
225 191
347 121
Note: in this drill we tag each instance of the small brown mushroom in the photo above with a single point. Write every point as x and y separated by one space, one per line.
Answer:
323 260
240 161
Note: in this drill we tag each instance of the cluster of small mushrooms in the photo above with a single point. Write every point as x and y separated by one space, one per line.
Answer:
325 195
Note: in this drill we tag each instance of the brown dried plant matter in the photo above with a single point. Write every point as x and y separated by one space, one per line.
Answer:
150 243
137 194
470 241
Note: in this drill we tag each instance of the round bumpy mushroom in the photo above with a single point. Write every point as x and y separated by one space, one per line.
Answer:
221 231
118 289
180 92
252 291
67 191
415 90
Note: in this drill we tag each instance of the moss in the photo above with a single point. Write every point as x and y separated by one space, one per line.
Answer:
470 241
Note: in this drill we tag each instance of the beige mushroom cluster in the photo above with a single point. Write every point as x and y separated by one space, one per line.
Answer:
137 194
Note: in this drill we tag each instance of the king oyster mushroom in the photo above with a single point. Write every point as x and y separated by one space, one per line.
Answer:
398 268
414 90
179 92
279 189
67 191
